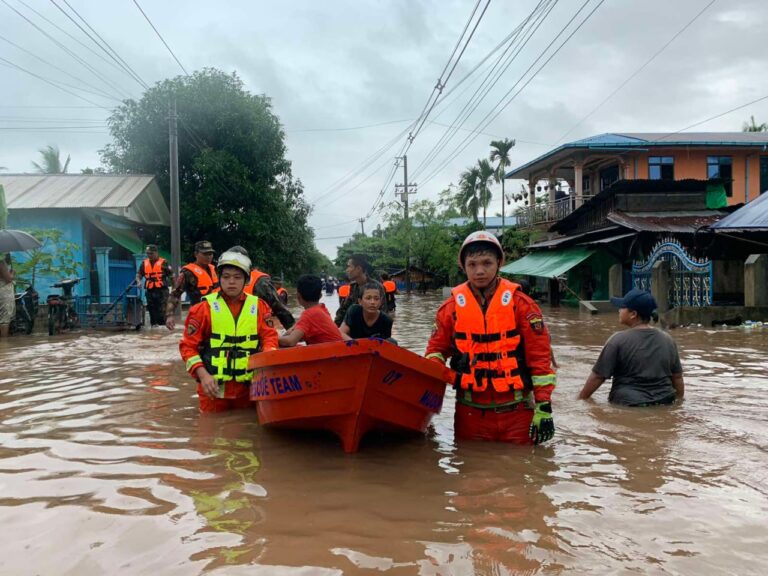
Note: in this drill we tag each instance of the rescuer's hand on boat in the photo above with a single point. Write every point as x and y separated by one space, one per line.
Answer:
542 425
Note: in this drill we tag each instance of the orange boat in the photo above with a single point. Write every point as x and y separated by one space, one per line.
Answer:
348 388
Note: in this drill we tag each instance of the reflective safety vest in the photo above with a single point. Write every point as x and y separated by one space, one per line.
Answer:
153 273
231 343
283 294
255 276
344 291
206 279
491 340
389 286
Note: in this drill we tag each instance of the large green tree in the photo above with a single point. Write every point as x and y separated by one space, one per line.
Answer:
235 182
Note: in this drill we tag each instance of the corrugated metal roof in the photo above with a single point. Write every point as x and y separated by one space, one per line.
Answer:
752 216
675 222
566 239
73 190
622 140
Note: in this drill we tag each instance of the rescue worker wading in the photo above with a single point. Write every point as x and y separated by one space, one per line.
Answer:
221 334
260 284
157 274
497 341
197 279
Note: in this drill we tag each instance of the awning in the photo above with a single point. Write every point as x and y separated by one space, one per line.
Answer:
547 264
122 233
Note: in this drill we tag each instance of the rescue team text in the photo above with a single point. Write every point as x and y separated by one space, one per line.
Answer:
275 386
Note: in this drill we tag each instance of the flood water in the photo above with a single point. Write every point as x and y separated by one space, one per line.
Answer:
106 467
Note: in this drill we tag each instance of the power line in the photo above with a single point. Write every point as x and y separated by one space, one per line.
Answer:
636 72
104 45
538 15
491 115
716 116
98 91
350 128
51 82
61 46
161 38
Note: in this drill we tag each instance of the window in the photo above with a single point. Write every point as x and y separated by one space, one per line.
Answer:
763 174
721 167
661 168
608 176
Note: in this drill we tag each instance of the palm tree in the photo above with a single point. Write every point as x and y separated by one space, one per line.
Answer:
51 163
751 126
500 154
485 175
468 201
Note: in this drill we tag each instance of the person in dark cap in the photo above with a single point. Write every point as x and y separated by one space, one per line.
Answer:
157 275
358 272
644 362
197 279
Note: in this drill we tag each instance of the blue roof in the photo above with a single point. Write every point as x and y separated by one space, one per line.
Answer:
653 139
752 216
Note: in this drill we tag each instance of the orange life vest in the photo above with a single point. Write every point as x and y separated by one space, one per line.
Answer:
255 275
282 291
344 291
491 340
389 287
153 273
206 279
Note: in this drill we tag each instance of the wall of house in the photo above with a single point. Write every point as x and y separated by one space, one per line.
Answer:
692 163
70 223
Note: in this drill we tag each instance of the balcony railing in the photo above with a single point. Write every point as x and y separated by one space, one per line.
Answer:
547 212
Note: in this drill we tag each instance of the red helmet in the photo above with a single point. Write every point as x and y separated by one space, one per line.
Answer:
481 236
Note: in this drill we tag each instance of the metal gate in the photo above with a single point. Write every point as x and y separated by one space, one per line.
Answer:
691 279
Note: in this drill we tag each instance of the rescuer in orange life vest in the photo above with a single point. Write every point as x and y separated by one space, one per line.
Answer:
157 275
260 284
390 289
503 351
197 279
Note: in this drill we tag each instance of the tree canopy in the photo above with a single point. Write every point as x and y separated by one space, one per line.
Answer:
235 182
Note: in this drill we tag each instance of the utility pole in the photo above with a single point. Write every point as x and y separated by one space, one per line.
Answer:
406 191
173 136
362 225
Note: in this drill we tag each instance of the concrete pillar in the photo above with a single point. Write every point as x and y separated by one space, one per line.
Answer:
755 280
578 175
660 277
102 270
531 193
615 281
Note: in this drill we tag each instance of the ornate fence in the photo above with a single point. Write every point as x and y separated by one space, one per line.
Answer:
691 278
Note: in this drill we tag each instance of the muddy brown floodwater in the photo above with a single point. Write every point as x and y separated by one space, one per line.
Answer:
106 467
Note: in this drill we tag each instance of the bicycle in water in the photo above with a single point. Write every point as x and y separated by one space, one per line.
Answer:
61 310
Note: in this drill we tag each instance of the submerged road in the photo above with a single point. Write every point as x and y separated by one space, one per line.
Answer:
106 467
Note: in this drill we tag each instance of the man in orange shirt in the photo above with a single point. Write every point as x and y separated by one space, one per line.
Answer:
497 340
221 334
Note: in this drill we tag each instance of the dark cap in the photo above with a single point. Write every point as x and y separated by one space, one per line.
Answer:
203 246
641 301
151 248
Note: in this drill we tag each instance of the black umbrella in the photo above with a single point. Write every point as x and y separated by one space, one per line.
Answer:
17 241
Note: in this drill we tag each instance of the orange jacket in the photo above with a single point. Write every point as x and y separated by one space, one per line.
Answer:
535 344
207 280
255 276
389 286
197 329
153 273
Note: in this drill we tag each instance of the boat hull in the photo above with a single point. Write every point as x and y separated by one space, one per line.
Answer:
349 388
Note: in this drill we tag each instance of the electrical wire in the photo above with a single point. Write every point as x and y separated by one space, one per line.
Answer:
349 129
161 38
508 96
636 72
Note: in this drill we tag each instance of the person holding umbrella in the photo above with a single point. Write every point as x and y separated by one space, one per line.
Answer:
7 296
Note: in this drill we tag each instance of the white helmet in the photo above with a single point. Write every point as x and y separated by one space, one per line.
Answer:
485 238
236 259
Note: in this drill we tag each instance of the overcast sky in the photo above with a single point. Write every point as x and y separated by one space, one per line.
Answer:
331 64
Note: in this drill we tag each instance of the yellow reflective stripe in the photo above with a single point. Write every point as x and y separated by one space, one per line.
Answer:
436 355
546 380
192 361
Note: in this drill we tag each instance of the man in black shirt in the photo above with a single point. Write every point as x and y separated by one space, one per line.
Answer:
358 271
365 319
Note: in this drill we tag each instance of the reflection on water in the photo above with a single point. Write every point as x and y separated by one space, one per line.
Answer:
107 467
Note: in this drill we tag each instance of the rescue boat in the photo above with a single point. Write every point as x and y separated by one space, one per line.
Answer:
348 388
